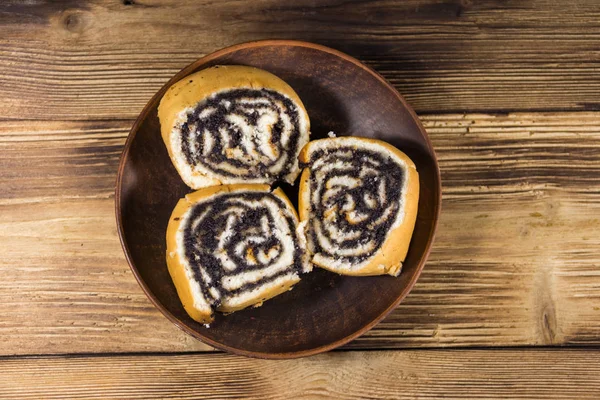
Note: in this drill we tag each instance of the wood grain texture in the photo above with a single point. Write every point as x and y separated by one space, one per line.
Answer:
103 59
515 261
506 374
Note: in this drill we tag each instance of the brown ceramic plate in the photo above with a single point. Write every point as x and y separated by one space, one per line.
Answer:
324 310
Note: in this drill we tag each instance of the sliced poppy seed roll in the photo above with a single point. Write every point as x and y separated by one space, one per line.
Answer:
233 124
358 205
233 246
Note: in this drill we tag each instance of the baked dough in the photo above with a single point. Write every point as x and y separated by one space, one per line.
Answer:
358 203
233 124
233 246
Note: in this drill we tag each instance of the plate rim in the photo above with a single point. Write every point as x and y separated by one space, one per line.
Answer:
119 181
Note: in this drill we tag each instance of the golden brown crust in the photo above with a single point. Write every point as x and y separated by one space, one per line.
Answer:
304 195
177 269
194 88
392 253
281 194
304 155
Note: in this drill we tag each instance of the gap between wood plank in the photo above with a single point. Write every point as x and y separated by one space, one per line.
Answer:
142 354
493 112
498 112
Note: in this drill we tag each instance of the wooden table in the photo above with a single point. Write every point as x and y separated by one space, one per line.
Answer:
509 302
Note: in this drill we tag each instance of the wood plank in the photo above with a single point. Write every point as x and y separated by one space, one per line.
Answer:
104 59
515 261
506 374
42 159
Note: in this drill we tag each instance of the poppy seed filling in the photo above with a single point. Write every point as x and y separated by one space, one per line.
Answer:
243 133
355 199
233 234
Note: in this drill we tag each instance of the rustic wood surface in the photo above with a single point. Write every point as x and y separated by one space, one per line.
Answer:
104 59
449 374
509 94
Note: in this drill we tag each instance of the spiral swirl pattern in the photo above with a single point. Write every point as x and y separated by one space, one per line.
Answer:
249 134
236 242
355 200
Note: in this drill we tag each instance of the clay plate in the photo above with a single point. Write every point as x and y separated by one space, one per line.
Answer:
324 310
